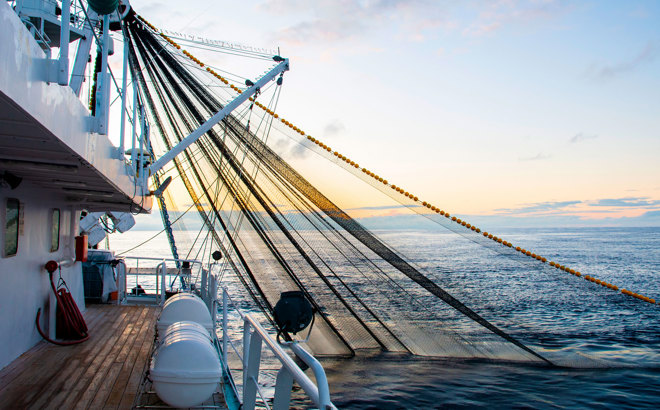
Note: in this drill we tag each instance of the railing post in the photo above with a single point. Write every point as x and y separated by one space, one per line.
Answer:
251 374
246 351
124 88
205 287
121 281
63 64
212 295
137 274
225 334
162 282
319 374
283 386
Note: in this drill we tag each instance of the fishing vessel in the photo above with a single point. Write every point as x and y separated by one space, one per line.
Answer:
58 162
277 270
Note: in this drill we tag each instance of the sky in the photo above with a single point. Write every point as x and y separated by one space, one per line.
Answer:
542 112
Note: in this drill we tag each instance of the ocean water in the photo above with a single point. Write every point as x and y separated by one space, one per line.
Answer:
606 345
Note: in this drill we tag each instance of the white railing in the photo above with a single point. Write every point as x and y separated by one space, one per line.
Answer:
48 7
254 338
156 277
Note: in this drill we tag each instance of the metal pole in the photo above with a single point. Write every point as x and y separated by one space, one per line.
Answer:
124 87
162 282
143 124
134 133
225 335
319 374
283 385
63 67
246 350
251 373
143 146
219 116
102 92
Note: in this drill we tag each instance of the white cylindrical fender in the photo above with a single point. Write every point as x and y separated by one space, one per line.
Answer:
185 368
184 307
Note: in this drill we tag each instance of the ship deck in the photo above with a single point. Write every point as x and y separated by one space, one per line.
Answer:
106 371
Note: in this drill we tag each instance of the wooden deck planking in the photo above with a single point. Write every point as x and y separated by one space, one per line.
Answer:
71 371
99 373
93 361
15 368
135 377
103 376
69 384
118 389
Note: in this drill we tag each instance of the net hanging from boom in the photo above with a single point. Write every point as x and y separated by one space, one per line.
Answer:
278 232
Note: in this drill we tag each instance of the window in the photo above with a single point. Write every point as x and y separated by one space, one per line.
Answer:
11 226
55 230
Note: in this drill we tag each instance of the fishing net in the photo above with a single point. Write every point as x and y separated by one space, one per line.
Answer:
234 191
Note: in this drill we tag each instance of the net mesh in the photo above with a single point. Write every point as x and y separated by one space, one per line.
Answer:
232 190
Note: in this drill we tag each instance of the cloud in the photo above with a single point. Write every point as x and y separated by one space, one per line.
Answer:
581 137
319 31
288 149
381 208
536 157
498 14
539 207
605 72
651 215
334 127
335 22
332 21
299 151
637 202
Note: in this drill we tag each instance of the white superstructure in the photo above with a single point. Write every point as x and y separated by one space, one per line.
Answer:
52 166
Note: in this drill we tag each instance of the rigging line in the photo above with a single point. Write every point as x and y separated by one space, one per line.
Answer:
235 232
331 242
159 232
267 305
245 155
259 301
189 85
234 166
283 263
387 276
99 42
217 182
263 202
214 48
168 113
362 235
199 150
332 229
355 296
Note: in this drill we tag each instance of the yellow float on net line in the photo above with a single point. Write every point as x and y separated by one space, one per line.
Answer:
394 187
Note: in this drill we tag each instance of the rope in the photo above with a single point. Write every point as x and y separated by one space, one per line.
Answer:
70 322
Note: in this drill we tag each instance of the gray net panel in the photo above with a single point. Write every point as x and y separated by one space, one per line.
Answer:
278 232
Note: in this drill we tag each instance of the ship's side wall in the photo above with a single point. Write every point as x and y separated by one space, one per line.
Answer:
58 114
25 283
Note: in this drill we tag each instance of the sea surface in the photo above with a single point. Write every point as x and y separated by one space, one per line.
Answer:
606 345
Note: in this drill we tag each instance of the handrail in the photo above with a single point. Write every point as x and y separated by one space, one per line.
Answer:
254 335
121 270
160 271
193 261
